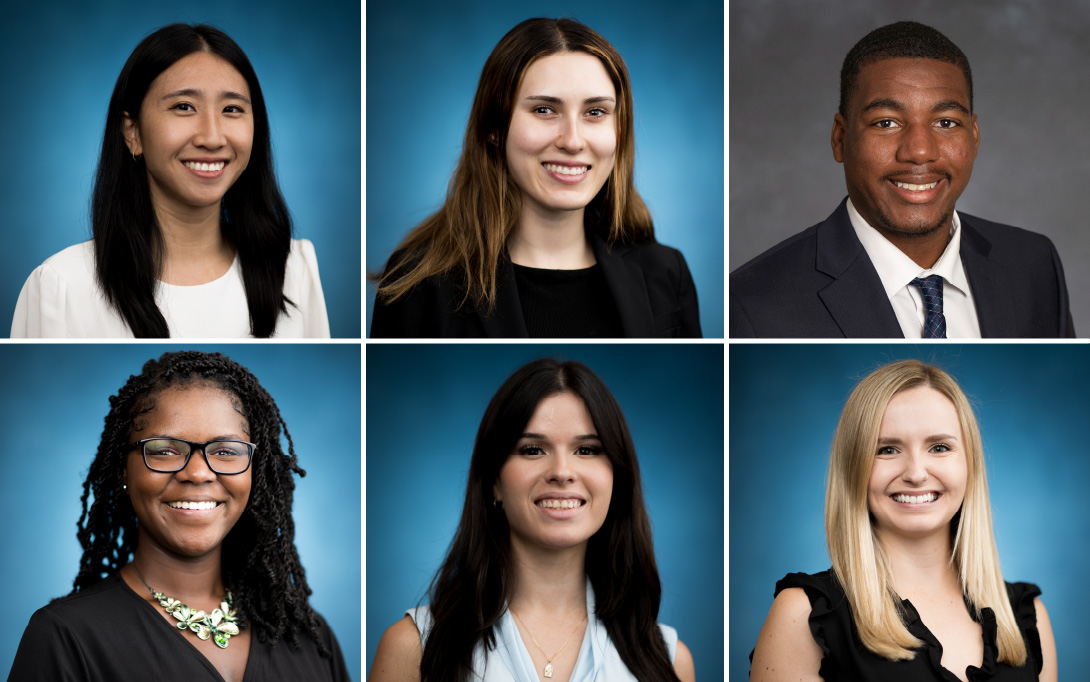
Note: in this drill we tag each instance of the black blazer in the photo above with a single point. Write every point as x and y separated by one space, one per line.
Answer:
821 284
649 282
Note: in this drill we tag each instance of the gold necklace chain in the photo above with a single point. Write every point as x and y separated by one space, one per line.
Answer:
548 671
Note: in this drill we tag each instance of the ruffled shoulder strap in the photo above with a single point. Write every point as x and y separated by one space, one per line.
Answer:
830 617
1025 612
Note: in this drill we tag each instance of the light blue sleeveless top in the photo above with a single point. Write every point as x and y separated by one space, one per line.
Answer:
510 661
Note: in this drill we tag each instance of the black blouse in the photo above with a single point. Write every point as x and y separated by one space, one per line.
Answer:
567 303
108 632
845 657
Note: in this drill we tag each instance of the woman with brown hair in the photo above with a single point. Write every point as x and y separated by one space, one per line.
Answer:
542 232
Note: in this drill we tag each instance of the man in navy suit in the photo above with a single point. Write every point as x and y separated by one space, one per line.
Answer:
895 259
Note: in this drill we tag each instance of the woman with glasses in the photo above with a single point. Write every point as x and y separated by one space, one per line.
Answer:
191 237
542 233
552 570
189 567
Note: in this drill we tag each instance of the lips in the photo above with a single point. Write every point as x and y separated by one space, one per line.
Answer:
918 189
566 173
211 168
916 498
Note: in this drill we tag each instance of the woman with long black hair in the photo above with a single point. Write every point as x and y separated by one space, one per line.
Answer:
552 571
189 568
191 236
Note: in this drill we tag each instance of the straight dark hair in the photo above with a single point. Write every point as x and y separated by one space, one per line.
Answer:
469 593
128 240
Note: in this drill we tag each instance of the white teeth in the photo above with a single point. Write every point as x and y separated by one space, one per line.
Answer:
566 170
193 505
916 499
195 165
916 188
560 504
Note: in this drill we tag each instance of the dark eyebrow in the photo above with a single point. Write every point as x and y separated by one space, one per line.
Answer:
556 100
929 439
884 103
193 92
947 105
539 436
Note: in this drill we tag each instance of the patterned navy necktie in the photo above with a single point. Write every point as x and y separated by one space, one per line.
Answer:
934 326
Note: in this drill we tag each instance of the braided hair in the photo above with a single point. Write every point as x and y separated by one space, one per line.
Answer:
260 562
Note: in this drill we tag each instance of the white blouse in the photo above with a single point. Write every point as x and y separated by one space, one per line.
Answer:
61 299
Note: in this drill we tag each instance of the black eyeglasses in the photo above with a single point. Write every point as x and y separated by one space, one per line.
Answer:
170 455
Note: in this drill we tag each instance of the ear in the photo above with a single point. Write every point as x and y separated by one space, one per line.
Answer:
840 127
976 138
131 132
496 492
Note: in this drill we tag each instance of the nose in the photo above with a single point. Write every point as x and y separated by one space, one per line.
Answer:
570 137
915 472
196 469
560 468
209 133
918 145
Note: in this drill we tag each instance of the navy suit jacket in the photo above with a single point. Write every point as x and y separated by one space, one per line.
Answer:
650 284
821 284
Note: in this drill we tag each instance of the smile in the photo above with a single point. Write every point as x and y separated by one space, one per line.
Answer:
194 505
915 499
207 167
566 170
916 188
560 504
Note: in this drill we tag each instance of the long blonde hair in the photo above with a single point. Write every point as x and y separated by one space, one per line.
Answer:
467 236
858 558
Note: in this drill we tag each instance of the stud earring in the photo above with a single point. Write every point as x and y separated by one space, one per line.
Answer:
124 486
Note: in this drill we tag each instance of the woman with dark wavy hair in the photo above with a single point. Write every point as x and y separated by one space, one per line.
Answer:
542 233
192 237
189 567
551 574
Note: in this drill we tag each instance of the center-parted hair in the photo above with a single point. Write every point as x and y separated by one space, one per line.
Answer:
861 564
470 592
902 39
466 238
260 562
128 240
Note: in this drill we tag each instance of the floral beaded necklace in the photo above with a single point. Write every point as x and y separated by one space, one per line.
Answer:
220 625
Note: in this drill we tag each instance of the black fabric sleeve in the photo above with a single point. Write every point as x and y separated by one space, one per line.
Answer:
48 652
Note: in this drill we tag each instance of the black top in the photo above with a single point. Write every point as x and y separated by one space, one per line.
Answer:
845 657
108 632
649 285
567 303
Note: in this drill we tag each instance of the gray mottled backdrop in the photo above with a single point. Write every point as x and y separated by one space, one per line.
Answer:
1031 82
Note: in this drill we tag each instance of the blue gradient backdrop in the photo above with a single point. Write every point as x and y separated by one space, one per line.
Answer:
60 61
424 405
1032 405
423 63
62 391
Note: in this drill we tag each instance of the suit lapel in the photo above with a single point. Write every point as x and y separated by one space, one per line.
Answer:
627 287
987 283
855 298
506 319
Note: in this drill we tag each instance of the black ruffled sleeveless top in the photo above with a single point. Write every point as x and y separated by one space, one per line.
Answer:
847 660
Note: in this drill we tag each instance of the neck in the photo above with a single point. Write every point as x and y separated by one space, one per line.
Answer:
920 566
194 250
550 239
192 580
548 582
924 251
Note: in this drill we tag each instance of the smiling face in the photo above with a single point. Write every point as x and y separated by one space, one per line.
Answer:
907 143
196 131
918 479
557 483
562 139
197 413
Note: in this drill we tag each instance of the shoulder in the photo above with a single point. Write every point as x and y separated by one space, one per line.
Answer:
399 652
76 263
683 663
1006 242
786 648
302 254
795 254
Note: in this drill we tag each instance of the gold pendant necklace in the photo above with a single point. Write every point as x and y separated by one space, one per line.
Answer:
548 672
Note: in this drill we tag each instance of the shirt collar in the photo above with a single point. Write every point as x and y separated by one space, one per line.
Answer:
896 270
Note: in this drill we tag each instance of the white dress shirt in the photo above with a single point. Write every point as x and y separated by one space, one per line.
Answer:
896 270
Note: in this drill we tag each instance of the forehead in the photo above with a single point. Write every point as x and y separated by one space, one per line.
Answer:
921 408
201 71
197 407
561 412
907 80
575 73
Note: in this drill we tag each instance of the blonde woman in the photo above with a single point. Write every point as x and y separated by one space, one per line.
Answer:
915 591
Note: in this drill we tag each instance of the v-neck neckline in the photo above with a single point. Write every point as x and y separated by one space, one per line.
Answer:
916 626
201 657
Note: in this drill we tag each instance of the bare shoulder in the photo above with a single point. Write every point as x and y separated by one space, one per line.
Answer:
683 663
1049 668
399 653
786 649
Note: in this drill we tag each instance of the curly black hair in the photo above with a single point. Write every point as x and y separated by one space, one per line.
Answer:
901 39
260 562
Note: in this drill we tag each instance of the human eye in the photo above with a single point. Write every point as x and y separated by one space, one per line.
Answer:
227 450
941 447
183 106
597 113
531 450
887 450
163 448
589 450
543 110
885 124
947 123
233 109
